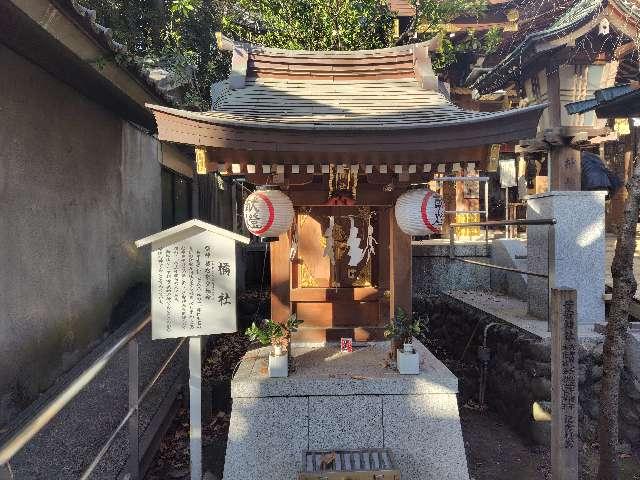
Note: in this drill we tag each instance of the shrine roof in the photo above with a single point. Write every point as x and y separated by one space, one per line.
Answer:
577 20
194 225
284 100
615 102
374 105
403 8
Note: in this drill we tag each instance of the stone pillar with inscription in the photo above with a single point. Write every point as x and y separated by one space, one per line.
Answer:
564 385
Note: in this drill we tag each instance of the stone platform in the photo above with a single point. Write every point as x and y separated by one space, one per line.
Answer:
337 400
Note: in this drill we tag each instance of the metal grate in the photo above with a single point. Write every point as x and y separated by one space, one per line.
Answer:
373 464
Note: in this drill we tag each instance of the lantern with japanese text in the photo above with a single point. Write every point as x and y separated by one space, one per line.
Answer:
420 212
267 213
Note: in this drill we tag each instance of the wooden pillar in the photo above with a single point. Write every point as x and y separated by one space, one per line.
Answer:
401 260
462 204
449 198
195 194
280 278
564 166
384 264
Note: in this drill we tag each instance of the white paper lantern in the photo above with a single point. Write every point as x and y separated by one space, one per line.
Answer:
268 212
420 212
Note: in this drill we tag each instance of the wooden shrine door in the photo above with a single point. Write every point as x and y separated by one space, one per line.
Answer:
344 296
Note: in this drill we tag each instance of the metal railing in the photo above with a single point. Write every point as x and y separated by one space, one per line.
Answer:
31 428
550 275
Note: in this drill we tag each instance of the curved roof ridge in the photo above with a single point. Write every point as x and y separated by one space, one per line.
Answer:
580 13
228 44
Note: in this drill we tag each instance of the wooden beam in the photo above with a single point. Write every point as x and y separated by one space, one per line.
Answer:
318 198
401 260
280 278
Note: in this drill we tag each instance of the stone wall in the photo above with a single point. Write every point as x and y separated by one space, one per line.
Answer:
77 187
519 370
434 272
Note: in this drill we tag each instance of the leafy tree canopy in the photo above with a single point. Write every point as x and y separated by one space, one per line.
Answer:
314 24
179 35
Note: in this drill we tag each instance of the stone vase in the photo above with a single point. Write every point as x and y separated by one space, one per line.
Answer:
278 365
408 363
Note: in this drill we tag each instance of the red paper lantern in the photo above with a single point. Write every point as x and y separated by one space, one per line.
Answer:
420 212
268 213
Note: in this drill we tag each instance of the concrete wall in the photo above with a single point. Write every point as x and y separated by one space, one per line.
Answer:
510 253
77 187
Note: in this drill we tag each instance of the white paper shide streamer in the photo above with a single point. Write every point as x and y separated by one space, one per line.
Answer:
329 243
355 252
369 248
420 212
268 213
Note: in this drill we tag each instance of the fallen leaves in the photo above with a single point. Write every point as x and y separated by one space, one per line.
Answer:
172 459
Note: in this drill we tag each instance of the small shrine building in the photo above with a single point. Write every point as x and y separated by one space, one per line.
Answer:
343 135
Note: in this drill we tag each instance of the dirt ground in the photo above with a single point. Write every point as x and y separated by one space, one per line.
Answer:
495 452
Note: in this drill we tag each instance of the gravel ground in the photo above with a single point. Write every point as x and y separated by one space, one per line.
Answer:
72 439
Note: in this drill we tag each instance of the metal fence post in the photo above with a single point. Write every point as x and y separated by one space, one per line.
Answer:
486 216
134 391
452 242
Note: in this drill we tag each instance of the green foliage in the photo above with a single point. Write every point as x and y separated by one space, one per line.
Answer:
274 333
450 51
178 35
403 327
433 14
313 24
492 40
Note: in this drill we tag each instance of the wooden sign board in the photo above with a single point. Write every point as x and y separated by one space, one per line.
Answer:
193 281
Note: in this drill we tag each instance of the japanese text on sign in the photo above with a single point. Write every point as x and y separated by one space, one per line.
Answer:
194 287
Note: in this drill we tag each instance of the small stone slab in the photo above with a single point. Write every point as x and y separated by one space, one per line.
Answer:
324 370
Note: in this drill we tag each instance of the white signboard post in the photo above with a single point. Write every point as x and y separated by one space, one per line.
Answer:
508 173
507 179
193 293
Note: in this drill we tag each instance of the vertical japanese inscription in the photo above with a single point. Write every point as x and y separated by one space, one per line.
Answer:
564 385
193 291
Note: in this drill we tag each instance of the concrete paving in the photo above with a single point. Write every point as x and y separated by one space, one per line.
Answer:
514 311
69 443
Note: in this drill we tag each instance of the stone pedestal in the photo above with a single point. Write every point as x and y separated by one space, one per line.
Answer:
579 246
339 400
